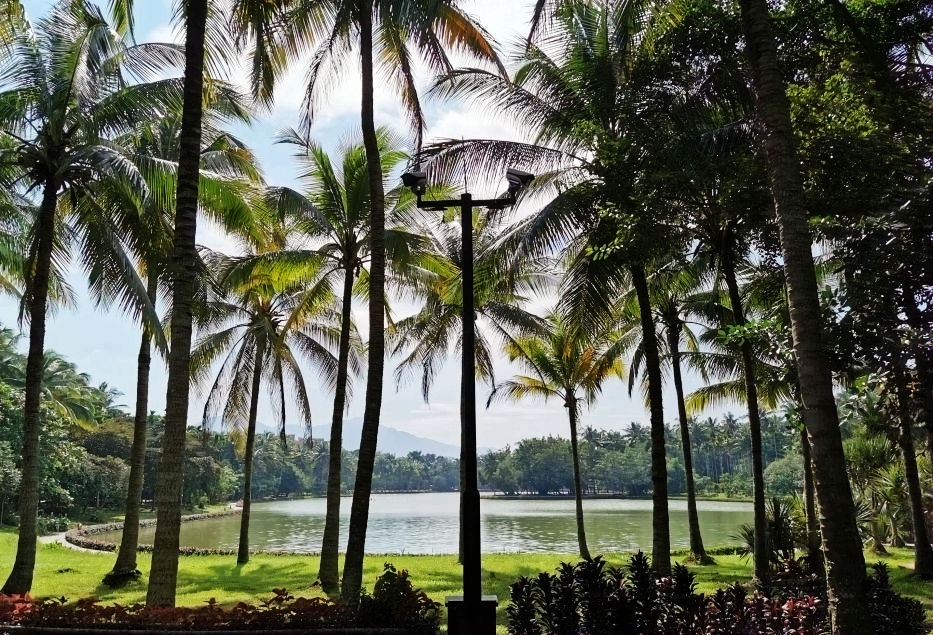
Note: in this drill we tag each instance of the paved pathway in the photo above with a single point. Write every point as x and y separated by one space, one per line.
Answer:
60 539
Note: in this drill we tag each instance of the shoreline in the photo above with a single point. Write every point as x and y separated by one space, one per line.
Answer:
80 537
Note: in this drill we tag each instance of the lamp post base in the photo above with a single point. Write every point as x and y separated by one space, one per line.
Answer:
457 616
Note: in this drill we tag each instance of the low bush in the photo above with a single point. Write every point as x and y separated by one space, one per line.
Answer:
394 603
589 597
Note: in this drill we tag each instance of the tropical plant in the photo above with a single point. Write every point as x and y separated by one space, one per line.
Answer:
335 209
386 30
583 94
571 366
256 326
227 170
69 82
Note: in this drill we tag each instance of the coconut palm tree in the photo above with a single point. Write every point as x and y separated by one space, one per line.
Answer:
427 338
207 40
571 366
259 328
390 32
227 170
842 546
586 102
335 210
59 108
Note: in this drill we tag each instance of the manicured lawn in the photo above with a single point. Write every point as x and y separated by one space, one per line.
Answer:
61 571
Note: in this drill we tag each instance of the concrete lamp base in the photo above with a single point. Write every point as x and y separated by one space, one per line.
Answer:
457 616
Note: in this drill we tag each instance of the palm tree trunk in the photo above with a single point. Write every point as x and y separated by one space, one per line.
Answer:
242 556
359 513
923 551
814 555
328 572
660 518
693 518
20 580
164 571
762 553
577 482
125 567
842 546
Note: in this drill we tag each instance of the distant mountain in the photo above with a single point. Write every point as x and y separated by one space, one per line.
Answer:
391 440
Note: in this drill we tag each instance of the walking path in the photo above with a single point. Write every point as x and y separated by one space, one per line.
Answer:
60 539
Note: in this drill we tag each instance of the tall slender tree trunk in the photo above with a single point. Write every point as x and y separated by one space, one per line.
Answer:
660 518
242 556
842 546
164 572
693 519
923 551
20 580
814 554
328 572
762 553
359 514
125 567
571 406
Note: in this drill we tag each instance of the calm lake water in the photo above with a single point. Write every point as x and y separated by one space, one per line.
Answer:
427 523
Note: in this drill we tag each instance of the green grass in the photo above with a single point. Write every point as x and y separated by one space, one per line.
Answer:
61 571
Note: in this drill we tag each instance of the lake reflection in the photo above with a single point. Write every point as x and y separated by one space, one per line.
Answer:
427 523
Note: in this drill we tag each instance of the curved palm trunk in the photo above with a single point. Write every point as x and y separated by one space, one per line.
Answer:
660 518
164 572
762 553
20 580
693 518
923 552
242 556
577 481
359 514
328 572
125 567
842 546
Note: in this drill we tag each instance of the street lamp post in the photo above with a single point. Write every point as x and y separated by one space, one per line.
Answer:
469 616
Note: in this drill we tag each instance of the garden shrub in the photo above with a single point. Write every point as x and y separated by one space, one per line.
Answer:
591 598
394 603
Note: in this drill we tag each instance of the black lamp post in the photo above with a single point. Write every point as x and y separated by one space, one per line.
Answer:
468 616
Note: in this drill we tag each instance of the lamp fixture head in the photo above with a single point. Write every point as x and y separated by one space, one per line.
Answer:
518 180
416 181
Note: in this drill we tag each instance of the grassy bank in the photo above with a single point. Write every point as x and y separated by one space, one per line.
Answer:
62 571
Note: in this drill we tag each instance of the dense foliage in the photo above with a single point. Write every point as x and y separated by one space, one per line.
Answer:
590 597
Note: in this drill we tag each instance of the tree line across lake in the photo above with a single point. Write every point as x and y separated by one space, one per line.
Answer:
88 439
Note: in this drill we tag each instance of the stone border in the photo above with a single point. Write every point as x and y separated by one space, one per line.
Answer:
83 536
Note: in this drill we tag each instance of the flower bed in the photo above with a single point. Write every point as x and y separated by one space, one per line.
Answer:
395 606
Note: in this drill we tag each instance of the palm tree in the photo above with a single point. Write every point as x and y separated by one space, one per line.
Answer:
842 546
338 202
226 169
250 18
498 293
571 366
672 305
335 210
586 101
256 326
58 107
386 29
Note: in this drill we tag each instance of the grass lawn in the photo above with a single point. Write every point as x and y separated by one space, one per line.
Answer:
62 571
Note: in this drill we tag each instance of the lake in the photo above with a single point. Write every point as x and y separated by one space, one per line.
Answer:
427 523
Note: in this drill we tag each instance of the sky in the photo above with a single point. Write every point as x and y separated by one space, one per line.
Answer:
105 343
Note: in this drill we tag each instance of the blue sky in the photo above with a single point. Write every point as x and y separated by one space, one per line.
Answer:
104 343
